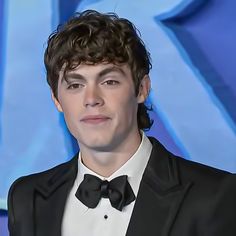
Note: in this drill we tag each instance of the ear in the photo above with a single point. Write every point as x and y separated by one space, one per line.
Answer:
56 102
144 89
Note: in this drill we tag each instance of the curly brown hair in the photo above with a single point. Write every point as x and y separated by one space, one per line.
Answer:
92 37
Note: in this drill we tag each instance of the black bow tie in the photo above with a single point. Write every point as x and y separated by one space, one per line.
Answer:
118 190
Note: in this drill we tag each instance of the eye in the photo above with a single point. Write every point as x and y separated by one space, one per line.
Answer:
75 86
111 82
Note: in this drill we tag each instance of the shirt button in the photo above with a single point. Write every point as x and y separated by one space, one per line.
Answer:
105 217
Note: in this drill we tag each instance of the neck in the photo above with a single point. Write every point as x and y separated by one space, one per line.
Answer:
106 163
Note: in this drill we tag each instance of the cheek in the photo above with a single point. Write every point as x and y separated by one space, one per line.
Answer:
68 103
128 109
71 112
72 122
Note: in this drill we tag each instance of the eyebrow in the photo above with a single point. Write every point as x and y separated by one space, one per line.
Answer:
111 69
102 73
69 76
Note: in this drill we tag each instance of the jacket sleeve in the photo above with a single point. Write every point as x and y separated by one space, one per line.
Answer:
12 204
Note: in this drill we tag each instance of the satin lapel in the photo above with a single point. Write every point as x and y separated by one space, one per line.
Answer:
160 195
50 197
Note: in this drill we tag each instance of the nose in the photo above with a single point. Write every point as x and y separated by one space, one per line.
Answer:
93 97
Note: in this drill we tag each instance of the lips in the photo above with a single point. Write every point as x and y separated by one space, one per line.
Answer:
94 119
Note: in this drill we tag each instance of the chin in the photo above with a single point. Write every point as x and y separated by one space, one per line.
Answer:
100 147
98 144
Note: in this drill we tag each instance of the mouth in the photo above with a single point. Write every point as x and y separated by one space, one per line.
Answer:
94 119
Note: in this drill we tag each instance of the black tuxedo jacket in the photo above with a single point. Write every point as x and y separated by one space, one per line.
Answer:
176 198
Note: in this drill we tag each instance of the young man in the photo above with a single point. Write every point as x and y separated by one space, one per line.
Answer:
121 182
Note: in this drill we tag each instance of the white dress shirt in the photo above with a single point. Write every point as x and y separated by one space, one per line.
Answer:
79 220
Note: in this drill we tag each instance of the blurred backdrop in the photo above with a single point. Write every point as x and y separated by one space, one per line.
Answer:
192 45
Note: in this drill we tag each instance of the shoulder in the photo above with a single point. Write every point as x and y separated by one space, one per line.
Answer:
26 184
203 173
22 192
208 181
193 171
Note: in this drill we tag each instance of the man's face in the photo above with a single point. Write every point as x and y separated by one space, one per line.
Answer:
100 105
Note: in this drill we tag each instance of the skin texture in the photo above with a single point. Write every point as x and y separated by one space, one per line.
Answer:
100 109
